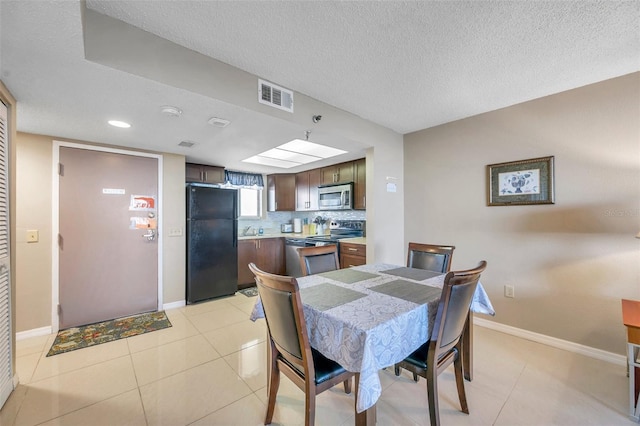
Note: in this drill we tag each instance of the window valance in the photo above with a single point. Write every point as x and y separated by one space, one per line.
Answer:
243 180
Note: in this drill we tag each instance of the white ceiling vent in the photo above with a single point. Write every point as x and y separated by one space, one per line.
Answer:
187 144
275 96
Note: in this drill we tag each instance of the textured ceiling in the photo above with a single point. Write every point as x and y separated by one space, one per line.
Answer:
402 65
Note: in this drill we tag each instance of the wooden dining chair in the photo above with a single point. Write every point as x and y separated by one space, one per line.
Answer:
444 346
429 256
290 352
314 260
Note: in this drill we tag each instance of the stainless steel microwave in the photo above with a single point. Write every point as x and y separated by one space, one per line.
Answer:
336 197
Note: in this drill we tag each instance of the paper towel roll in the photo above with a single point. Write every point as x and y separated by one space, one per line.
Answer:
297 225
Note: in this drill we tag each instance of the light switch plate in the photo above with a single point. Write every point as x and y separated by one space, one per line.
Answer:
32 236
509 291
175 232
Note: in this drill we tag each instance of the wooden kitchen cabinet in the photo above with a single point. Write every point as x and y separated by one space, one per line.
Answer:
338 173
247 253
271 255
360 184
281 193
307 190
266 253
204 174
352 255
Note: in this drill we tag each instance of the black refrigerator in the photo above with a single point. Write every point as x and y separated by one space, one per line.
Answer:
212 242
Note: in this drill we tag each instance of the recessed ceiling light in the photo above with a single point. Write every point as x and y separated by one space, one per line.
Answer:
218 122
171 111
117 123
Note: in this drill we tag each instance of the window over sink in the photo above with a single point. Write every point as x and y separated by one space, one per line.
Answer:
250 203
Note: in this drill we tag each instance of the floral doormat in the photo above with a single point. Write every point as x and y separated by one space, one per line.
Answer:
107 331
249 292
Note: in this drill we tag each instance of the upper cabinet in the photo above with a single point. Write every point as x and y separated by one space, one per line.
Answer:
299 192
360 184
281 192
307 190
204 174
338 173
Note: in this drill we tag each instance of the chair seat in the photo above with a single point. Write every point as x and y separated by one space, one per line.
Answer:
419 356
326 369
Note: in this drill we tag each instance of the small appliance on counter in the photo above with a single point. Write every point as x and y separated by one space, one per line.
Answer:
286 228
297 225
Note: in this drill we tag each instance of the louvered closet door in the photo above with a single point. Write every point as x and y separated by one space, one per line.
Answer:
6 379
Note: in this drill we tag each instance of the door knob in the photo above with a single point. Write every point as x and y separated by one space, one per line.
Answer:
150 235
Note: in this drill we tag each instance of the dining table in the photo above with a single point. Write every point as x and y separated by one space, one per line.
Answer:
372 316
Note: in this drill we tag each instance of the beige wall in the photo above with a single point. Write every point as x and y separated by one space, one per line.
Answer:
34 211
570 262
175 216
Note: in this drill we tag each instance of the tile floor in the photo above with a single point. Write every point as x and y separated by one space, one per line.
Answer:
209 369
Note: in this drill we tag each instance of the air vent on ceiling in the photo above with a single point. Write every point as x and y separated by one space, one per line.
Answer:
275 96
186 144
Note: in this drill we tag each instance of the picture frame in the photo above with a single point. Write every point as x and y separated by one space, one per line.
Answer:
521 182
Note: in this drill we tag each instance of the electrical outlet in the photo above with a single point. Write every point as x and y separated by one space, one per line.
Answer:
32 236
509 291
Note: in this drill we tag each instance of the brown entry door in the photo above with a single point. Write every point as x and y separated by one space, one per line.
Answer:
108 248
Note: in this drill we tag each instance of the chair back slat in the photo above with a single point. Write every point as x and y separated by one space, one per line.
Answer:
430 261
455 302
278 312
431 257
315 260
282 307
456 312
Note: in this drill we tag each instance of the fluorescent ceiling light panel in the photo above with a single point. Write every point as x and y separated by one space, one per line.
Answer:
294 153
265 161
310 148
296 157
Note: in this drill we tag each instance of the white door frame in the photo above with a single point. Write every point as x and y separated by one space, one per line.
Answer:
55 255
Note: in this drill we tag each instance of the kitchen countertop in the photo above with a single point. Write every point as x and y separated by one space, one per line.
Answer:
357 240
273 235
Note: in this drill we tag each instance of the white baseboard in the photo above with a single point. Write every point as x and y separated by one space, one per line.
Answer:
35 332
174 305
553 342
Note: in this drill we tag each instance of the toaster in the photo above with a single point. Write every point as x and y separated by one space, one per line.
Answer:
286 227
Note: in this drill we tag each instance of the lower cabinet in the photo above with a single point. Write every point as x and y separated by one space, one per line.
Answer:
266 253
352 255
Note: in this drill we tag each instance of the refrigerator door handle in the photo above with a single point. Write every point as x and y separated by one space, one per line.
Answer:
235 234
